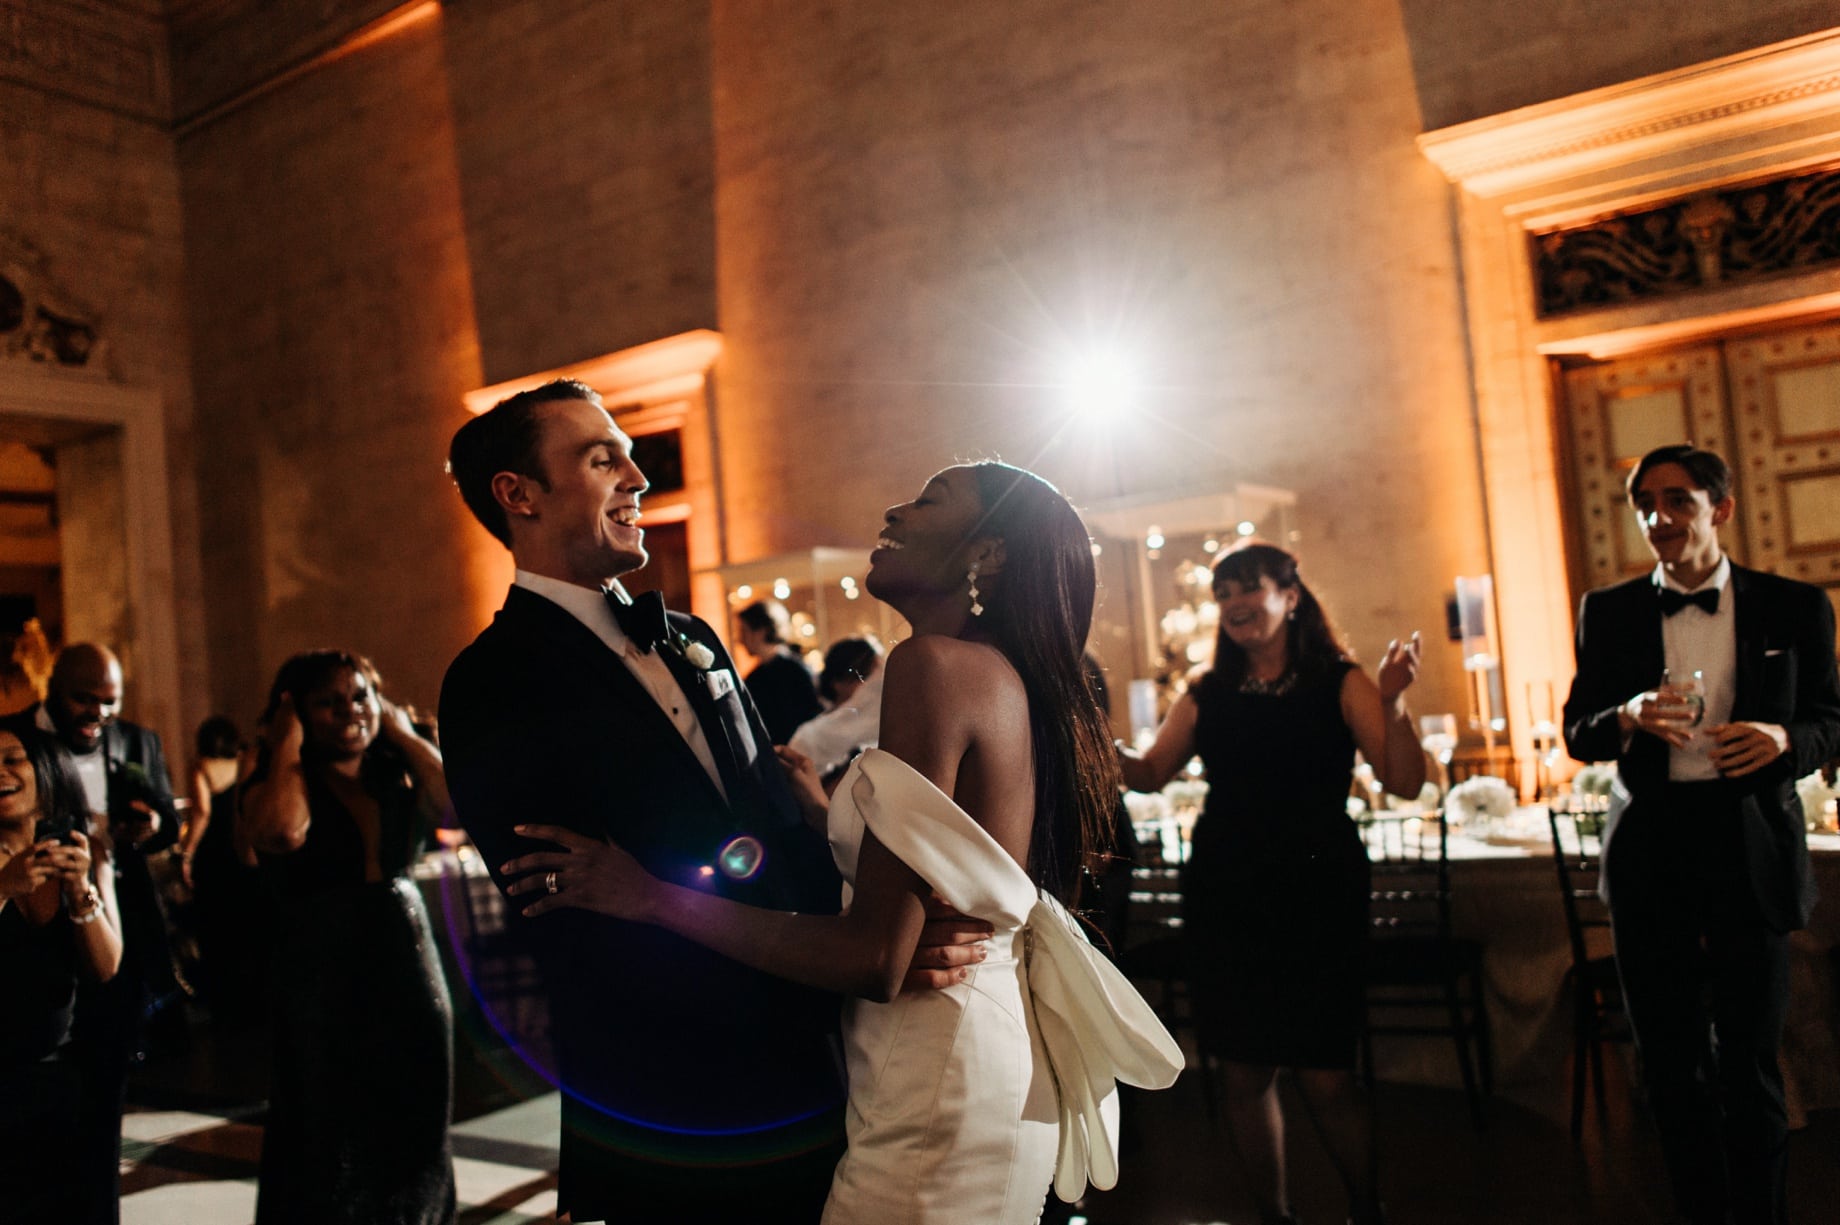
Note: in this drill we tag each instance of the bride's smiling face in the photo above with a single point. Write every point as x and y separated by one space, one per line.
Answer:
925 542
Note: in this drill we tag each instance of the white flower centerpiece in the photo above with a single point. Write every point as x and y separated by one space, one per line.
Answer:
1817 802
1479 802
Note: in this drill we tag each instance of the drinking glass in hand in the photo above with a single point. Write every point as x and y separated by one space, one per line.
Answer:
1692 692
1438 733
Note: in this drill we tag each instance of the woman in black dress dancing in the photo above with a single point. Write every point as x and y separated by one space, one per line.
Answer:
1276 888
338 810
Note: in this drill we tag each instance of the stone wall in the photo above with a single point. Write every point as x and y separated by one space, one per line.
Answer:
333 341
924 209
88 183
1482 57
903 218
587 163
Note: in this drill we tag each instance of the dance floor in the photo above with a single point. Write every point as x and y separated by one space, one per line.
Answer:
194 1134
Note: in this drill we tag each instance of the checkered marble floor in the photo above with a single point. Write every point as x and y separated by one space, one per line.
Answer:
185 1168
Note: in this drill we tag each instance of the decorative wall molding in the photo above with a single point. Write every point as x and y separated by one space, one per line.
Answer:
1740 97
1711 238
40 322
111 55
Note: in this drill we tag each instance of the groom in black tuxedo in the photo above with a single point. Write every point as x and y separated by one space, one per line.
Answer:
694 1089
1706 870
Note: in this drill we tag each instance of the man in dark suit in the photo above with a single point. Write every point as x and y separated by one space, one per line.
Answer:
122 768
695 1090
1713 687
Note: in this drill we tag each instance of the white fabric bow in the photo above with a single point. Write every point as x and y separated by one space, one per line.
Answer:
1096 1028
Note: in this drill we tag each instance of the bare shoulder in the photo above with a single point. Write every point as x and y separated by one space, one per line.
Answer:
934 663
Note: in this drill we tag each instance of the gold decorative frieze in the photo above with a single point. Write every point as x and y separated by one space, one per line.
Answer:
1787 225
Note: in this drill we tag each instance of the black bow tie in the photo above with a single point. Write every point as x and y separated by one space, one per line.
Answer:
642 619
1673 601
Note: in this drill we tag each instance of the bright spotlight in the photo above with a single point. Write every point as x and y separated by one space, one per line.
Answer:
1100 383
1247 527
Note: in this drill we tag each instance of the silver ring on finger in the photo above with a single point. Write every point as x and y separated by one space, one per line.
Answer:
549 883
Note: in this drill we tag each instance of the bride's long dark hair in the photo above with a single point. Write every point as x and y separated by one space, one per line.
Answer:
1038 611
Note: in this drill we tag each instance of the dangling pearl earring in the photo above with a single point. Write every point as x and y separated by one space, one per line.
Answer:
977 609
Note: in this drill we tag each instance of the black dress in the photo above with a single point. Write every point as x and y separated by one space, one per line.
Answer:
358 1117
785 693
1275 890
40 1116
231 911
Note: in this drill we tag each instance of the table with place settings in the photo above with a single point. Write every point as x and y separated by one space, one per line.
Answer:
1505 894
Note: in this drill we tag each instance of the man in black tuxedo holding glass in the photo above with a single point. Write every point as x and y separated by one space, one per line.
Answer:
1713 688
695 1090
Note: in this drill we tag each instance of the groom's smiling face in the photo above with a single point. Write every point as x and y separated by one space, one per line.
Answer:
590 511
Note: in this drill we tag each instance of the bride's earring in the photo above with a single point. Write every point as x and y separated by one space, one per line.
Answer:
977 609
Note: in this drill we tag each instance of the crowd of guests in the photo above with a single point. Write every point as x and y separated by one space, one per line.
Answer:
295 909
294 853
298 845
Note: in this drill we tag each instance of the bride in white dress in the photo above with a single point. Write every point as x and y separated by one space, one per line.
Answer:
993 784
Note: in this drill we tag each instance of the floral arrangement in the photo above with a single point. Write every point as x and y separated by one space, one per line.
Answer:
1186 792
1816 794
698 655
1597 779
1479 801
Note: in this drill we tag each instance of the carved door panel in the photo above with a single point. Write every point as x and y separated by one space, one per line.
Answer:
1786 401
1615 412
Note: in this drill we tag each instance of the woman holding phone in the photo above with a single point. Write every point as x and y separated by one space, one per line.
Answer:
57 924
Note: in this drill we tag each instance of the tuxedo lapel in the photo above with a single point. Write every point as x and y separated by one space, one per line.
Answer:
1647 650
1647 656
708 713
577 647
114 755
1748 622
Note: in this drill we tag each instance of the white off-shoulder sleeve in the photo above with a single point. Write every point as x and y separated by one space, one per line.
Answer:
1096 1028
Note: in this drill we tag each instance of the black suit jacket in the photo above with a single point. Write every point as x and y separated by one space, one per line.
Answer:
667 1051
1785 675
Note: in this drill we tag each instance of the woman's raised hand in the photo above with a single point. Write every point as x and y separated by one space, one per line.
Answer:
283 731
586 874
1400 667
394 722
807 788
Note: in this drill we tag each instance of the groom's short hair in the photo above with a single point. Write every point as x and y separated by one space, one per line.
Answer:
506 438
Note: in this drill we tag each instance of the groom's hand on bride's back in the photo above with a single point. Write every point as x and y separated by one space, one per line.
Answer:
950 944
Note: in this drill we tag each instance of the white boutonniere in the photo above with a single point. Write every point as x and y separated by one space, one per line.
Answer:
690 650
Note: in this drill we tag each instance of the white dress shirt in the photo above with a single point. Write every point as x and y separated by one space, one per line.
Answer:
92 767
589 606
1694 640
831 737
